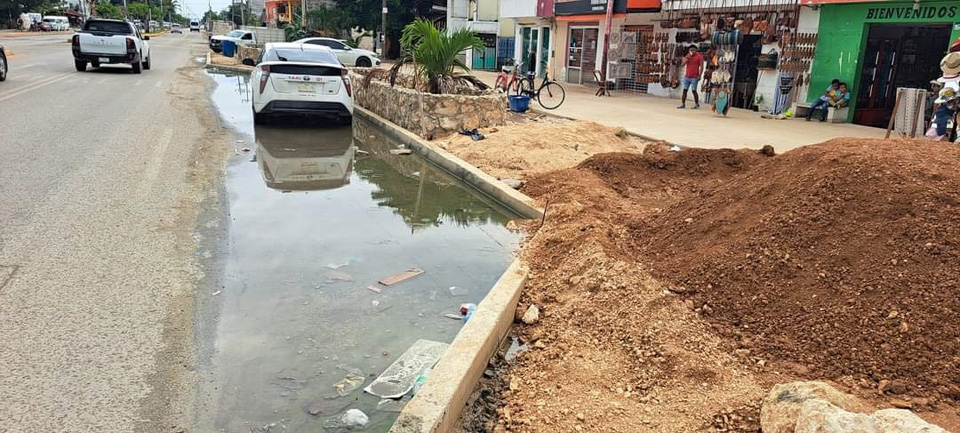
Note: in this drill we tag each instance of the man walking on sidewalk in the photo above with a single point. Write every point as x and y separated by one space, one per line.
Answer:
694 67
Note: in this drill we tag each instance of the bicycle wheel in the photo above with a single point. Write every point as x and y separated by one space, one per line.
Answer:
500 85
522 87
551 95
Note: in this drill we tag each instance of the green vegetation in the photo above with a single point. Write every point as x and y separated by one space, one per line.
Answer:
435 55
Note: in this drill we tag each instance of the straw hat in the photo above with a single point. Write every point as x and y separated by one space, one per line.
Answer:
946 95
950 65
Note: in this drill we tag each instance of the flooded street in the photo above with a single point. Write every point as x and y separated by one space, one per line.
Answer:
316 216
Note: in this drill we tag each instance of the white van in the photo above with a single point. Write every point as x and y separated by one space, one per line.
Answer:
57 23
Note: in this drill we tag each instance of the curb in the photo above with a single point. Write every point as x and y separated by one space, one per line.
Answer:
437 406
483 182
209 65
633 133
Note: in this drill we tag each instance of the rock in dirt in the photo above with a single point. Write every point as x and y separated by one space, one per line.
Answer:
513 183
532 315
818 416
783 404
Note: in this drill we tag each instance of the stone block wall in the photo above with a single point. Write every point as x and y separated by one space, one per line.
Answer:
427 115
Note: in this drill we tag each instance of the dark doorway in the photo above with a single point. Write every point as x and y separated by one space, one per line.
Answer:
745 78
897 56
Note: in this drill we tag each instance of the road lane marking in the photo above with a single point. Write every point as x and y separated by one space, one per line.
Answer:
34 86
23 66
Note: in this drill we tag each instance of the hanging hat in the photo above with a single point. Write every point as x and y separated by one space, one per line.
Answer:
955 46
950 65
946 95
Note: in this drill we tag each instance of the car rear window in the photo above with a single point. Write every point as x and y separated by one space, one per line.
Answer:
108 27
295 55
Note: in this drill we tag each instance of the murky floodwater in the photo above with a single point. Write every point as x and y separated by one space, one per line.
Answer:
316 216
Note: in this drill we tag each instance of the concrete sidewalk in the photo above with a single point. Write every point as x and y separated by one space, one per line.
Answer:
658 118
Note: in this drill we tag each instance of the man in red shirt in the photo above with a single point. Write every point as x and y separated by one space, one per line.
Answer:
694 67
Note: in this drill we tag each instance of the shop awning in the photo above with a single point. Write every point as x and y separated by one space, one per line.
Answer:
587 17
821 2
643 4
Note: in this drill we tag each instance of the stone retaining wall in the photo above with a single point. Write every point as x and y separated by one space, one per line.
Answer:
427 115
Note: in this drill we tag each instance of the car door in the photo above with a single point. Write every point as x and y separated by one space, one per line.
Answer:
346 55
246 39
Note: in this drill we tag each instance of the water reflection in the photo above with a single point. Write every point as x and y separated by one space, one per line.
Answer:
299 159
419 192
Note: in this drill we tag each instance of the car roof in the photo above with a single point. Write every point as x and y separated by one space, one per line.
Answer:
107 20
295 45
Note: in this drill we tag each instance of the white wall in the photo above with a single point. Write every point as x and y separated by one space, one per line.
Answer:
458 8
518 8
768 84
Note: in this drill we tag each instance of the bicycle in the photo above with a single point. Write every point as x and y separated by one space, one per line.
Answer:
549 95
508 80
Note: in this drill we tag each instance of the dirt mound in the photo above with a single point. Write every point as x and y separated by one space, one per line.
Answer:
529 146
840 259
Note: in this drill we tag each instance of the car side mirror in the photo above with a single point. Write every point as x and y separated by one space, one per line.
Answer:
249 62
146 38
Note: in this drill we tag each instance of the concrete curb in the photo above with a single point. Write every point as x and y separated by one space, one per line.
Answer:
633 133
437 407
209 65
483 182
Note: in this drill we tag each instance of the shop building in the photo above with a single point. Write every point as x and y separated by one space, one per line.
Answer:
877 47
481 16
533 38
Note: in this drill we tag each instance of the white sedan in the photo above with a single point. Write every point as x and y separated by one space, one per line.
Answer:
347 55
298 78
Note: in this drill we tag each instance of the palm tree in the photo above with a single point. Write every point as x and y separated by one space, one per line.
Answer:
435 54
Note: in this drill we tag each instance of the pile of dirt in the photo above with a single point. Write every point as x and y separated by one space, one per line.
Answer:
839 258
530 145
676 288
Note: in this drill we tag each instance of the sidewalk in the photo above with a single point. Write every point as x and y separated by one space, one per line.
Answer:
658 118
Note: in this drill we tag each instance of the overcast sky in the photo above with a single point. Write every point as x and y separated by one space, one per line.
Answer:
196 8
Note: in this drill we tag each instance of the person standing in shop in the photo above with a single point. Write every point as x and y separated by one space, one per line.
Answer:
693 63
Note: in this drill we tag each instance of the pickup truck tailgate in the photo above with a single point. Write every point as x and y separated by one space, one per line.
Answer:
93 44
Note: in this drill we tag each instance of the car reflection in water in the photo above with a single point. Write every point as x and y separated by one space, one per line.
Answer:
295 159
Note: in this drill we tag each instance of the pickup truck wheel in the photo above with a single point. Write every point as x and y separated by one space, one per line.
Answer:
136 67
81 65
364 62
3 67
146 64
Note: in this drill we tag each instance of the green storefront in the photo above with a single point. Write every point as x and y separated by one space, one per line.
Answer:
879 46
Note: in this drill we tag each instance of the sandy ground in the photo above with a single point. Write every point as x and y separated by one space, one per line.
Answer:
221 60
532 144
98 274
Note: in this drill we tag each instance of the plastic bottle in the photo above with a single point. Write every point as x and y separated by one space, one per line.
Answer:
418 383
467 310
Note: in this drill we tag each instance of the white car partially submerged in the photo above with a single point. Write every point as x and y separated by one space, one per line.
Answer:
292 78
348 56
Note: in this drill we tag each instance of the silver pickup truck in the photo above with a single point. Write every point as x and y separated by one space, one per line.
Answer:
109 42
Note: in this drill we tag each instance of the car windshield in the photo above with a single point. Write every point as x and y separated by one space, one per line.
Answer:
108 27
235 33
295 55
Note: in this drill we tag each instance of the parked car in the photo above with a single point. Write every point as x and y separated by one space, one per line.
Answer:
45 26
110 41
239 37
300 79
175 28
3 65
57 24
347 55
194 26
166 25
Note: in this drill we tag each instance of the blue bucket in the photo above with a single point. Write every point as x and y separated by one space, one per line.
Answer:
229 47
519 103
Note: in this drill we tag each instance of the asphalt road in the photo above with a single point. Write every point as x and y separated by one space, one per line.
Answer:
103 178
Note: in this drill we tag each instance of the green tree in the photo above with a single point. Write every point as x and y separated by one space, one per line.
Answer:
435 55
138 10
107 10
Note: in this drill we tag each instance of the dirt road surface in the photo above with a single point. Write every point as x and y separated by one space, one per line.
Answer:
102 179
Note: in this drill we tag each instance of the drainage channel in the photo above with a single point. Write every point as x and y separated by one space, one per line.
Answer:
318 215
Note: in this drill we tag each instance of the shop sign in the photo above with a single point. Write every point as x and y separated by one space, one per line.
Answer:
910 13
587 7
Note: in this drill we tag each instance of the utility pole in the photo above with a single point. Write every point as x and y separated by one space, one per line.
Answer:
606 48
383 30
303 14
